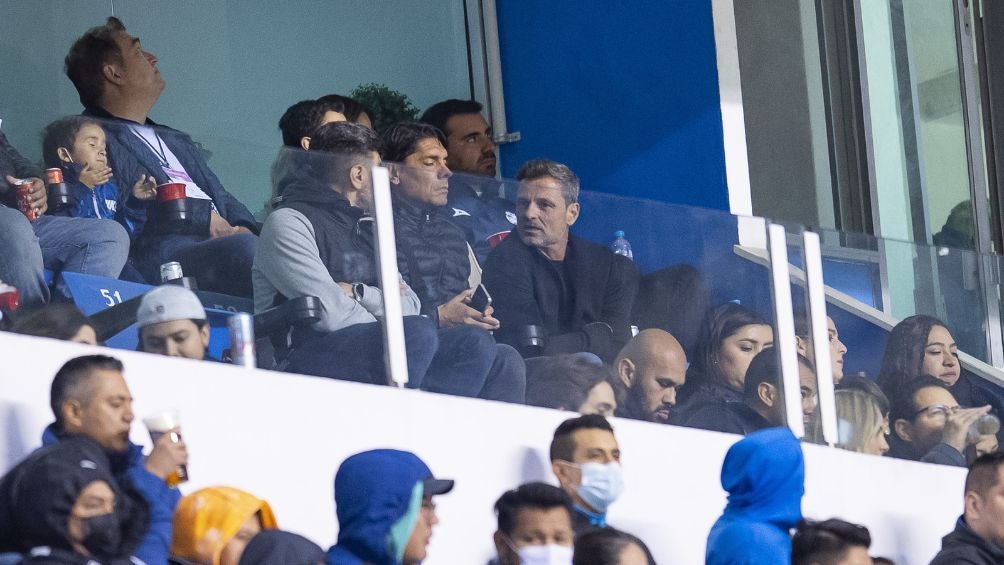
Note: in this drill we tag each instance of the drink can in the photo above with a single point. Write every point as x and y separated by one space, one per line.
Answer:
10 298
171 272
242 349
53 175
23 187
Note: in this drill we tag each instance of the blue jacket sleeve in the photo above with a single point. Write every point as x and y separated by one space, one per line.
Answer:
156 545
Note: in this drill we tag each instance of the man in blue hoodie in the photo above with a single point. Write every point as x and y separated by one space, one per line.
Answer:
383 499
764 475
90 398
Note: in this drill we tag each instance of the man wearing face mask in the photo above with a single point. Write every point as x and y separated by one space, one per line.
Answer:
535 526
62 506
586 459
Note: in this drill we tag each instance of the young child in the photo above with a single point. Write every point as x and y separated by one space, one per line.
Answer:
76 144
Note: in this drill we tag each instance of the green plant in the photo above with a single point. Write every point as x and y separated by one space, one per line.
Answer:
386 106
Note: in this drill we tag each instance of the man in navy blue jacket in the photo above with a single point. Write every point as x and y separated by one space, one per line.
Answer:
119 82
90 398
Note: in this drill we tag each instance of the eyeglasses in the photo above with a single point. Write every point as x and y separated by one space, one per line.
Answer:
937 410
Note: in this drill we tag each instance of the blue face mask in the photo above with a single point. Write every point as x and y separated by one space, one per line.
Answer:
601 484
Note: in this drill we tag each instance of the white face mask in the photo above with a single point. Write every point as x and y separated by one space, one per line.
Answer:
550 554
601 484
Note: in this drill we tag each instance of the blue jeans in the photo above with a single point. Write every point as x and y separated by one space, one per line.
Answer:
356 353
219 265
58 243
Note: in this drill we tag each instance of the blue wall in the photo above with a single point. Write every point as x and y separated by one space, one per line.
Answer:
628 97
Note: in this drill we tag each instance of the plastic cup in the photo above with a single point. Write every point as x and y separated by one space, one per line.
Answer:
165 423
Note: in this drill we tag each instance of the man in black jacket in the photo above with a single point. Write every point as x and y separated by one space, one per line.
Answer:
434 259
578 292
978 538
118 81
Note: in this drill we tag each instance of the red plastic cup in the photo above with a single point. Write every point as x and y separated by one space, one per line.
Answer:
170 191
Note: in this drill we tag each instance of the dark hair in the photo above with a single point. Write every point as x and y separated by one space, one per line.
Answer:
299 121
904 352
983 473
721 322
439 113
530 495
903 405
603 546
86 59
58 321
350 107
540 168
764 368
826 542
62 133
350 143
866 385
401 140
565 382
563 446
72 379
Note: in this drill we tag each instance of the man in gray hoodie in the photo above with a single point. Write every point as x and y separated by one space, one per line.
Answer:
318 242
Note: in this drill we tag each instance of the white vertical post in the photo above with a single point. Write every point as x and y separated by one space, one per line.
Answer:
784 336
395 356
820 334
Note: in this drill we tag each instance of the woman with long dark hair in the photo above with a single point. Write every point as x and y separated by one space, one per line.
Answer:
730 338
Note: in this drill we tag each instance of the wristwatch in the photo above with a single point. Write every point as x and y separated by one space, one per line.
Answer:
358 290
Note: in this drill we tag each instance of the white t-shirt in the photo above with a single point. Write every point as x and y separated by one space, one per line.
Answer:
169 161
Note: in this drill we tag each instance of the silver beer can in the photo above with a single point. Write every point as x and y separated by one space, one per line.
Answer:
242 350
171 271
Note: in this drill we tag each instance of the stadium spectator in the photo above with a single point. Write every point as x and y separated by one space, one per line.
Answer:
608 546
212 526
79 245
62 505
580 293
76 146
477 203
830 542
572 382
172 322
586 459
58 321
763 399
274 547
319 243
434 259
300 120
922 345
651 368
764 474
861 425
868 386
119 82
731 336
803 342
90 399
534 526
353 110
928 425
383 499
978 537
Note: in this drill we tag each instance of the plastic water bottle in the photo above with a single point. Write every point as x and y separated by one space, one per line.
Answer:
621 246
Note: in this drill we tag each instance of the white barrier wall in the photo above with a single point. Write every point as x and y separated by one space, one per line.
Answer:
282 437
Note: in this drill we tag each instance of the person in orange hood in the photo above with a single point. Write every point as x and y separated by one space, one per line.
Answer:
213 525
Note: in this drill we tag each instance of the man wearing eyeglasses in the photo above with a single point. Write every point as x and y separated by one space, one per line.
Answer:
928 425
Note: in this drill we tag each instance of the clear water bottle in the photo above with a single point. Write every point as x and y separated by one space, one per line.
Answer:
621 246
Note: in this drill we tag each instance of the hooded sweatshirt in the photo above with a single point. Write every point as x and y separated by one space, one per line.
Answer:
129 469
37 497
764 475
277 546
375 492
206 520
